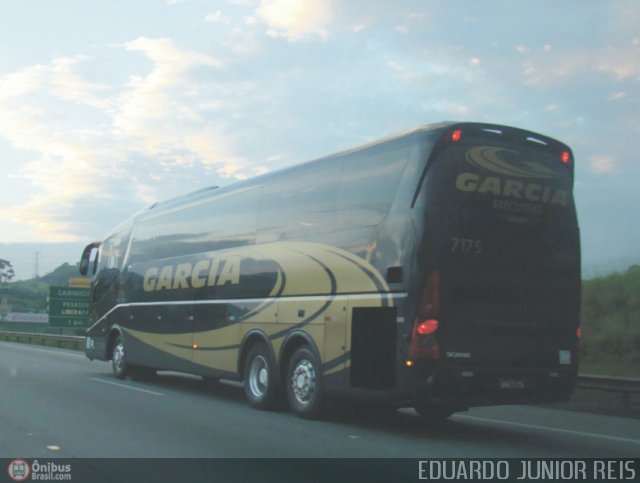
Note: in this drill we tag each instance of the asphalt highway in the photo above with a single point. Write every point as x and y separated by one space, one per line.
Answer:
57 403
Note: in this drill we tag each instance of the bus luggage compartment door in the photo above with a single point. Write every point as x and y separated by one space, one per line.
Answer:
373 348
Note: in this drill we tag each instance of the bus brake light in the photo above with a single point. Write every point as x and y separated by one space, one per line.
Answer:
579 332
456 135
427 327
565 157
430 300
424 343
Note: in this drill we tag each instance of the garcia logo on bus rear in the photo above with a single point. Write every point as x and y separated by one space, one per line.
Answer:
505 168
488 158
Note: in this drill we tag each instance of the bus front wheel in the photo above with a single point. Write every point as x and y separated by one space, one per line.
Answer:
305 392
260 386
118 359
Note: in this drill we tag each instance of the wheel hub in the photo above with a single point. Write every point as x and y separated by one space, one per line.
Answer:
118 357
258 376
263 377
303 381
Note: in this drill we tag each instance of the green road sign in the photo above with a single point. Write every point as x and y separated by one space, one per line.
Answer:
68 307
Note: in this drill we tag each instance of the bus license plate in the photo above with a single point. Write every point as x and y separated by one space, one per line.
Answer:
511 384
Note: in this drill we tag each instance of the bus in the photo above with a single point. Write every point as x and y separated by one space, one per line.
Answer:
437 269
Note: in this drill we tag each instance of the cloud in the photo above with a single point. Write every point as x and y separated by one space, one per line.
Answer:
419 72
615 96
213 17
296 19
148 112
64 164
89 141
69 86
21 83
546 67
170 116
63 172
207 146
245 41
602 164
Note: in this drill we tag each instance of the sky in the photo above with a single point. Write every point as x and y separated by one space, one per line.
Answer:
107 106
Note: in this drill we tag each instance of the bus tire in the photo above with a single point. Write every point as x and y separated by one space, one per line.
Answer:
305 391
118 359
260 385
434 412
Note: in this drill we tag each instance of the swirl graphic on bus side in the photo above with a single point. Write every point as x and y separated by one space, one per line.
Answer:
488 158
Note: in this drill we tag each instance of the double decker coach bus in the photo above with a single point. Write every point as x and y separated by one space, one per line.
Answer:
437 269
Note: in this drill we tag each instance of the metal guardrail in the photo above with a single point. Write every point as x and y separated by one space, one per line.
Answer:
623 385
74 342
607 383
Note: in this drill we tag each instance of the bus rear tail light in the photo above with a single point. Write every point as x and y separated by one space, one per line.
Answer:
424 343
565 157
456 135
579 333
423 346
427 327
430 299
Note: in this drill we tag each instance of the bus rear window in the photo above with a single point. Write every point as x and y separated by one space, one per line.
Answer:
505 179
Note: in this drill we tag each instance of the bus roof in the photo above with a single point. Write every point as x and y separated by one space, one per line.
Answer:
485 128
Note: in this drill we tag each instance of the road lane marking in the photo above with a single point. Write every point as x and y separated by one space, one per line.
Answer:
127 386
547 428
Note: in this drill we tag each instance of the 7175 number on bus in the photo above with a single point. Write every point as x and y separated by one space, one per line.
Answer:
466 246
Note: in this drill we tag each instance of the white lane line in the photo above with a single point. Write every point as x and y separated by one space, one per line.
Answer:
48 350
127 386
547 428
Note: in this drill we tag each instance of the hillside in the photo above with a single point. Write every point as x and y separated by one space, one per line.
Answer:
61 275
611 323
26 295
31 295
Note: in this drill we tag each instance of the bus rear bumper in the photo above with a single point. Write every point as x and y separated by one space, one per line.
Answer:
482 387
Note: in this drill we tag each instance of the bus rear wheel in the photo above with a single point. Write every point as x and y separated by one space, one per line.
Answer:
260 385
305 391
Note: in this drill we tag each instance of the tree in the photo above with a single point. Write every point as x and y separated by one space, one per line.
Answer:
6 271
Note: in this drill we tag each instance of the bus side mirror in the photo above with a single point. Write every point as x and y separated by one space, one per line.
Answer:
89 254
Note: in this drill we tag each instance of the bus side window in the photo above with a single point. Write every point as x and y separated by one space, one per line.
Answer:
370 179
300 206
110 253
213 223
